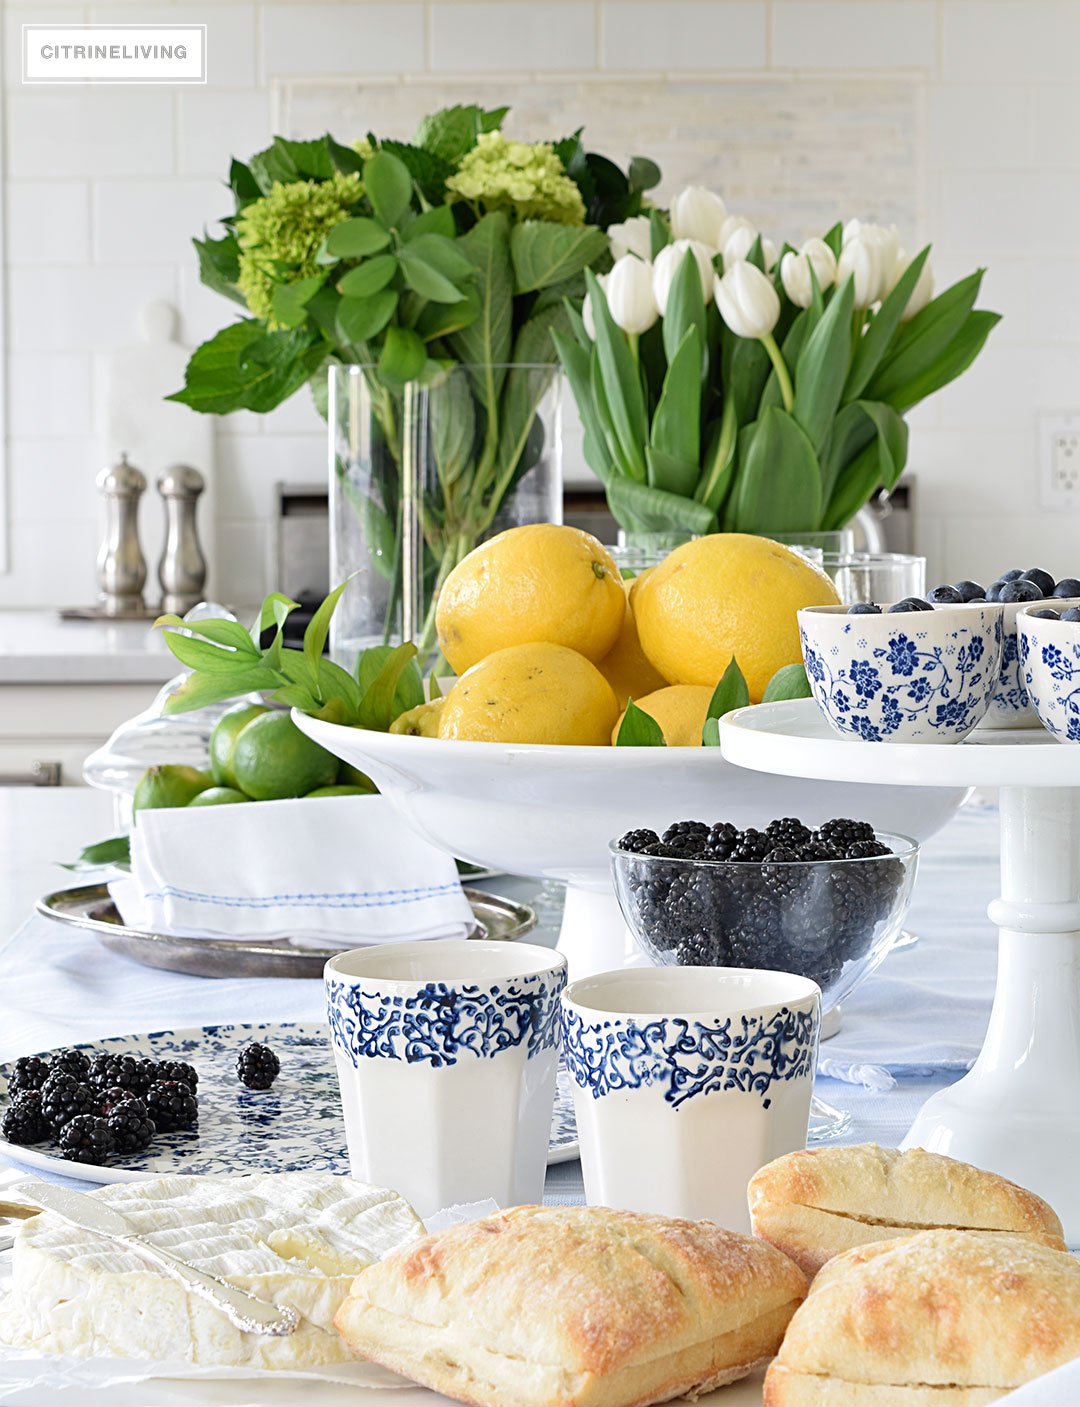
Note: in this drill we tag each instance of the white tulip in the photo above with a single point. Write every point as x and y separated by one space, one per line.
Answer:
668 262
586 307
769 252
632 236
629 290
697 213
737 236
747 300
869 254
795 271
923 290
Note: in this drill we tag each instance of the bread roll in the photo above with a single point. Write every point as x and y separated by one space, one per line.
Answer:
814 1205
573 1307
938 1319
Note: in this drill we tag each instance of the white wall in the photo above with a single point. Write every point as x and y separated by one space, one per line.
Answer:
957 117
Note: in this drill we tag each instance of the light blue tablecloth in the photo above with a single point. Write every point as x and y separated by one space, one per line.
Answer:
914 1026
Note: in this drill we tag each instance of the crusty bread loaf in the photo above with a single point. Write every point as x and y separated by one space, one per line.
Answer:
937 1319
813 1205
573 1307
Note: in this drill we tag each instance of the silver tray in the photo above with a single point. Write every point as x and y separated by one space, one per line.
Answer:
90 907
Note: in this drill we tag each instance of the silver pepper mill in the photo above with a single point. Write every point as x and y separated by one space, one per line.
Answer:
182 569
121 566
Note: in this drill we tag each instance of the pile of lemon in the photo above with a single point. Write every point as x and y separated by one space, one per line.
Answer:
549 642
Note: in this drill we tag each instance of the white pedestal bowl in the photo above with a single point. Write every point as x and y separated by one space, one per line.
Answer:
552 811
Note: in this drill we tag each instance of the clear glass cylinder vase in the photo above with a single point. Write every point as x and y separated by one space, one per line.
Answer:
419 475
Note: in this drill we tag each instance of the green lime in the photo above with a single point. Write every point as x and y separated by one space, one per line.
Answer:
218 796
169 785
273 759
223 741
341 791
353 777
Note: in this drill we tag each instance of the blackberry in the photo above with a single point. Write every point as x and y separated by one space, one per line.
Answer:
843 832
130 1128
688 836
864 608
30 1072
120 1072
86 1139
789 832
23 1121
64 1097
781 874
70 1062
702 950
750 847
639 842
111 1098
971 591
179 1070
866 850
257 1066
721 841
172 1105
1042 579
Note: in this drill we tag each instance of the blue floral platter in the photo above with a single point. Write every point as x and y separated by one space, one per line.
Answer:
296 1125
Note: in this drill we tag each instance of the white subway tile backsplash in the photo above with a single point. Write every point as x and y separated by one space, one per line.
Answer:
231 48
88 309
1008 212
482 37
88 132
48 222
38 12
977 127
854 34
248 467
48 394
153 222
241 574
53 480
343 38
1012 40
56 569
214 127
684 35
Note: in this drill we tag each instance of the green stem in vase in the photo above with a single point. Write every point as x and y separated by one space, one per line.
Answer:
783 376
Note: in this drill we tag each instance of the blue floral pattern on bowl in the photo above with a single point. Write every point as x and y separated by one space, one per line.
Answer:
1010 706
295 1126
685 1058
916 677
1050 657
441 1024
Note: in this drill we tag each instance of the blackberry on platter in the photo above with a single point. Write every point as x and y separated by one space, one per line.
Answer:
111 1098
721 841
639 842
119 1072
843 832
70 1062
172 1105
179 1070
781 873
789 832
64 1097
23 1121
131 1129
689 836
86 1139
257 1066
30 1072
751 847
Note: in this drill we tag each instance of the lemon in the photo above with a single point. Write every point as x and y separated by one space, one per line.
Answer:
421 721
170 785
223 741
723 595
680 709
273 759
342 791
218 796
536 693
543 583
625 666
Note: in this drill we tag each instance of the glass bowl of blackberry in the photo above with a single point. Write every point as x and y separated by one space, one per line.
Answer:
827 902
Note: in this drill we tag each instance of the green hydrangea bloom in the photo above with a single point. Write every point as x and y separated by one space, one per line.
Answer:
529 179
280 234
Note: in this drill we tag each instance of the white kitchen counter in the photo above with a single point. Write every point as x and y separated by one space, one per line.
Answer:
37 647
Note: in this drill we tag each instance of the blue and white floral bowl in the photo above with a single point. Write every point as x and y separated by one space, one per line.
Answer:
1050 660
1010 706
912 677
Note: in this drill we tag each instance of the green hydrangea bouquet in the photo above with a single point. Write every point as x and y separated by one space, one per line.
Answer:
462 248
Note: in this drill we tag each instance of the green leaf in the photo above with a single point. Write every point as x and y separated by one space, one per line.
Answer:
873 344
544 253
731 693
377 707
200 689
388 186
219 265
639 508
201 654
244 368
659 233
953 361
676 426
575 363
639 729
337 685
443 254
622 385
892 440
922 340
360 319
275 611
403 355
452 132
822 368
242 183
528 381
643 173
318 629
855 486
422 278
442 319
116 851
221 632
438 220
790 682
368 277
289 300
834 238
685 308
485 343
345 159
779 483
452 420
356 238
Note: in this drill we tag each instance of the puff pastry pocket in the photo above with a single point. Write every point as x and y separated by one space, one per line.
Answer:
938 1319
573 1307
817 1204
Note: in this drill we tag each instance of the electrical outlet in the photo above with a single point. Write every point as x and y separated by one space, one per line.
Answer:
1060 461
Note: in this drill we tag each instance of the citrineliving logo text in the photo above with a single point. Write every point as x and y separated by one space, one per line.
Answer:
114 53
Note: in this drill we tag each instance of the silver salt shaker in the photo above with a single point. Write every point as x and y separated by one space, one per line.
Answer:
121 566
182 569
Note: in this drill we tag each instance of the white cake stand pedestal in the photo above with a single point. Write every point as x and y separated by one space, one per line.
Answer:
1017 1111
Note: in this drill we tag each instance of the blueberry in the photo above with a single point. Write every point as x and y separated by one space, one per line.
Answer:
1072 614
1046 615
1043 580
1012 575
910 603
1066 587
971 591
993 591
1019 590
944 596
864 608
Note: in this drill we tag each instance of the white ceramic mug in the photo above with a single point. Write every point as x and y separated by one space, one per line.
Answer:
686 1081
447 1053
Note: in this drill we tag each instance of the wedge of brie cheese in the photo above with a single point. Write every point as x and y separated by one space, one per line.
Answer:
295 1239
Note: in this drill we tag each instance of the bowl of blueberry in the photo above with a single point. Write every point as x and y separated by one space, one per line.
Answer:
1050 663
827 904
911 672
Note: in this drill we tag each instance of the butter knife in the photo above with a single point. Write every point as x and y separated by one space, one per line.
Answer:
252 1315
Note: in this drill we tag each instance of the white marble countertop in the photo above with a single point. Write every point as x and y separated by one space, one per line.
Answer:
37 647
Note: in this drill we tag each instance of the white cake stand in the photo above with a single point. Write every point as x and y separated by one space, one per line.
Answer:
1017 1112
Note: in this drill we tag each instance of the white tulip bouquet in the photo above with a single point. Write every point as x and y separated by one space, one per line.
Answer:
725 384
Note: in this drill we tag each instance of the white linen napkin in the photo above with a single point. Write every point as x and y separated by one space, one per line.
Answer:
324 871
